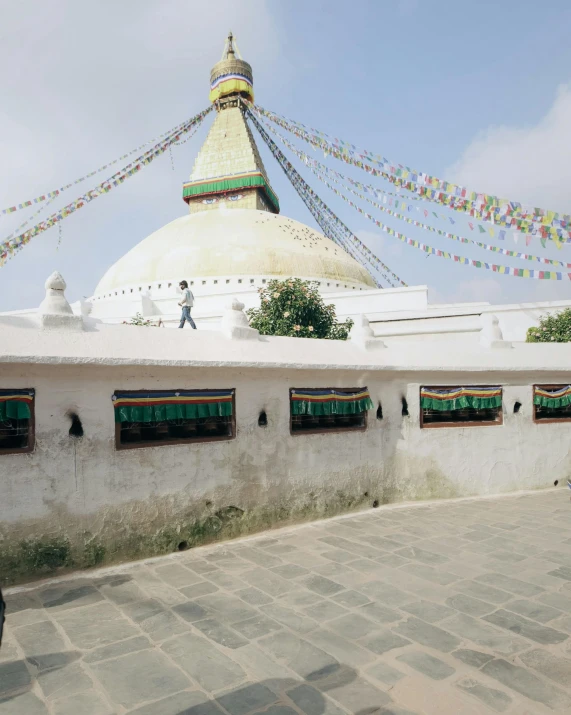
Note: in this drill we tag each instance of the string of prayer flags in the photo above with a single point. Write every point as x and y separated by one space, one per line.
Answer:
56 192
9 247
314 203
320 169
367 188
485 206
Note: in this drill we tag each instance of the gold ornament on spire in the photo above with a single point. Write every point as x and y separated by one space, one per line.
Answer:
232 76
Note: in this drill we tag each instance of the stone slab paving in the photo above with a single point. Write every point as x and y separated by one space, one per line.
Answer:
460 607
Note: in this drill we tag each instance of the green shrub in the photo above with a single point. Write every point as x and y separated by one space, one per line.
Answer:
294 308
553 328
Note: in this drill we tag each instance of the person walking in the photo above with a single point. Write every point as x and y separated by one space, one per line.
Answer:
186 303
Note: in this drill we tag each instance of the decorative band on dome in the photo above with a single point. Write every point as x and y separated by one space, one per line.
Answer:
229 84
231 75
254 179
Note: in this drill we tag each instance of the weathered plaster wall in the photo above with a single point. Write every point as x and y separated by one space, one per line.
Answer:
78 501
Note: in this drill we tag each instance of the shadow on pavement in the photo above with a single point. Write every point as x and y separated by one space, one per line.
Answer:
316 695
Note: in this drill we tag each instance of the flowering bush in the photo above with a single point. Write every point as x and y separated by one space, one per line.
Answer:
553 328
295 308
139 320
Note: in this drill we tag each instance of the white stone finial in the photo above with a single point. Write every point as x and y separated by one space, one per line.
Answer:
490 333
54 310
55 282
363 335
235 323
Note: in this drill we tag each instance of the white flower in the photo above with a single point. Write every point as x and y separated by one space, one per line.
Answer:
310 328
276 295
297 327
286 314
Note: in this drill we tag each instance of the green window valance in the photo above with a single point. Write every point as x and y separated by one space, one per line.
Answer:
229 183
167 406
15 404
552 397
329 402
459 398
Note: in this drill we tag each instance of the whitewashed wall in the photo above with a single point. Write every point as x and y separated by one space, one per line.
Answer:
85 491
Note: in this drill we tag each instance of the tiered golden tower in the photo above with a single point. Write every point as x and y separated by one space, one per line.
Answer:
228 167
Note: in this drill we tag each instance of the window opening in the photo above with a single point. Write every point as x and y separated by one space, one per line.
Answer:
552 403
329 409
460 406
16 421
154 418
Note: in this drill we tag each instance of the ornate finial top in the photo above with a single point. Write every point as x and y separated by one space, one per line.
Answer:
230 50
55 282
231 76
54 310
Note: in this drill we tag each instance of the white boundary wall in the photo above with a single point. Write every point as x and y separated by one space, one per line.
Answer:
84 490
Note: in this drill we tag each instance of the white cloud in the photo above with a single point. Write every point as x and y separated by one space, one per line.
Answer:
527 164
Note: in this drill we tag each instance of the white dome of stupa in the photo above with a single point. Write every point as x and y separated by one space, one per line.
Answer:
234 239
233 242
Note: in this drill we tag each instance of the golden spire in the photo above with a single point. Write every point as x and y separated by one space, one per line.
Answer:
230 50
232 76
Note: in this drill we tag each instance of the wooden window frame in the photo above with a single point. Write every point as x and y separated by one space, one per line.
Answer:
120 446
318 430
440 425
31 432
547 420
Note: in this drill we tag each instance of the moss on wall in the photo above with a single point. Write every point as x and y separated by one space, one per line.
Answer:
163 524
123 538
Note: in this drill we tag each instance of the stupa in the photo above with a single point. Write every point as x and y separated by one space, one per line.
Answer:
233 239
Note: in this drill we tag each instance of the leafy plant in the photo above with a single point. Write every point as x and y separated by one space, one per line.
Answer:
139 320
553 328
294 308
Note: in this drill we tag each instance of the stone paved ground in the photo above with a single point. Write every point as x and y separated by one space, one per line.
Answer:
460 607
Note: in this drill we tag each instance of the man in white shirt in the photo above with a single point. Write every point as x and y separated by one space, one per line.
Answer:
186 303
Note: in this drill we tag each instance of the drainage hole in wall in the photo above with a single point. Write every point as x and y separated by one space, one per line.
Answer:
263 419
366 494
379 412
517 406
375 503
556 482
404 407
76 429
183 546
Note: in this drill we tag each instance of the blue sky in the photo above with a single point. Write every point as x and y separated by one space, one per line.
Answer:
478 92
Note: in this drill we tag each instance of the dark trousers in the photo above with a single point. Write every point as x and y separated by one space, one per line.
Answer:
186 316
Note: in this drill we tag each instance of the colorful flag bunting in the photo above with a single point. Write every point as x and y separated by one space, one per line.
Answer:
10 246
482 206
318 168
